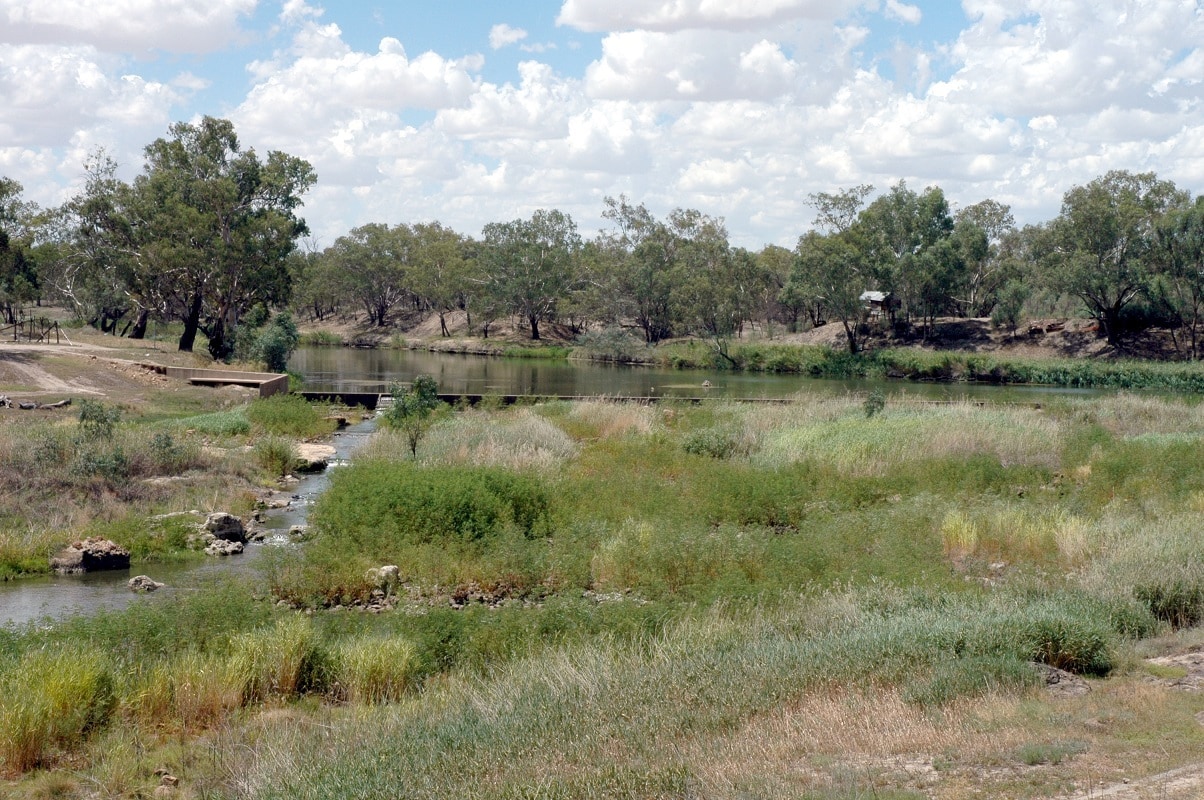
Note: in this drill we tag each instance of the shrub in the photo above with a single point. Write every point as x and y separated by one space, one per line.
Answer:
289 415
384 505
275 454
96 421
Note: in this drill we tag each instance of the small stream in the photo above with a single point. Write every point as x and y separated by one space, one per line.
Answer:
45 598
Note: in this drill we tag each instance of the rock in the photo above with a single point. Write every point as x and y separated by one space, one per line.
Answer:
298 532
224 547
385 577
313 457
144 583
91 555
1062 683
225 526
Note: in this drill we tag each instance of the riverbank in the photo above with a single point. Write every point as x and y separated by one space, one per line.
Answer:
1064 353
131 449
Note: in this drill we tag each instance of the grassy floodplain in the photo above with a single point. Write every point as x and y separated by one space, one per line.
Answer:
816 599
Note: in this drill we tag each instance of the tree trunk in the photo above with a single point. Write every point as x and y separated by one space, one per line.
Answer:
534 320
139 331
443 325
192 321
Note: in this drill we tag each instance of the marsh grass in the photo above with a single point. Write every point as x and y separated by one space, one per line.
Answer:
51 700
289 415
859 445
377 669
521 440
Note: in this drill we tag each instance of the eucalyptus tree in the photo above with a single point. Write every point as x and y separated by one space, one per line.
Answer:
18 274
830 269
895 233
92 255
439 275
531 264
218 225
985 267
715 287
1105 239
1178 255
643 252
377 263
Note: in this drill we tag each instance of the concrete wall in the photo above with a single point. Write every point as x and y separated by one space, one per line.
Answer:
268 383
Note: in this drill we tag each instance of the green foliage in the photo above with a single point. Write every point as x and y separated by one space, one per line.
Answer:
386 505
217 423
273 343
96 421
277 662
50 699
289 415
411 409
275 454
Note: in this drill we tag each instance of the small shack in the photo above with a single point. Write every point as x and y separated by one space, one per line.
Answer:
877 304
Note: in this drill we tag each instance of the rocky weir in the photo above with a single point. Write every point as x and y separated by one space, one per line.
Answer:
94 575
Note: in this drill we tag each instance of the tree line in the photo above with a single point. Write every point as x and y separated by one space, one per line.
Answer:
208 234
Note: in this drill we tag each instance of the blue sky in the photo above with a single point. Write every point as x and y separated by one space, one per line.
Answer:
469 112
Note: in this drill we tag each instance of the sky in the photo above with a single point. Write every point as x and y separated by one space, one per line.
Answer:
475 111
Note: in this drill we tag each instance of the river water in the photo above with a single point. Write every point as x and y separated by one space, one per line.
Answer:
345 369
351 370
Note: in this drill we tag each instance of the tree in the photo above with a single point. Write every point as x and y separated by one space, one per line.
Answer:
1104 240
412 408
984 267
439 277
531 264
894 234
376 262
830 269
18 275
644 251
215 226
1178 255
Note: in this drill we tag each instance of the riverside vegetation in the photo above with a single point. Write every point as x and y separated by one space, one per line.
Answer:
830 598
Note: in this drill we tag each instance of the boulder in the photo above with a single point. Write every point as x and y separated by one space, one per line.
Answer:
144 583
223 547
225 526
313 457
91 555
386 577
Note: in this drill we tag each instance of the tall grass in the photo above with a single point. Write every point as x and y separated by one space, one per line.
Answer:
51 700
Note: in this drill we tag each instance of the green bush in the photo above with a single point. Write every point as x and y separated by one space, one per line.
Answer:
289 415
379 506
275 454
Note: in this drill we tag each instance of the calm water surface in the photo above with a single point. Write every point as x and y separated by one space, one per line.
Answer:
352 370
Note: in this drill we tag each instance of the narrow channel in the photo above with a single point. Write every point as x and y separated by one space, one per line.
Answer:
43 599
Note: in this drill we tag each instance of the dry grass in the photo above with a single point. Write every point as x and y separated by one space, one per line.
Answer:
609 420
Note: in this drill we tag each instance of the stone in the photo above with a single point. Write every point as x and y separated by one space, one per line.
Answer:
313 457
91 555
144 583
225 526
385 577
1061 683
224 547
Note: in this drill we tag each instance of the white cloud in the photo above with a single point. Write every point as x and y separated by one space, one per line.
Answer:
181 26
904 12
677 15
502 35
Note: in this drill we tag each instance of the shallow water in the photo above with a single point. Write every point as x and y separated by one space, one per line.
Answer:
43 599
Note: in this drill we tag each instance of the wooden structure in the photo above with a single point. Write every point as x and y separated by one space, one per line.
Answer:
34 329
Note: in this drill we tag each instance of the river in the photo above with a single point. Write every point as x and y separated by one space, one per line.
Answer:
342 369
352 370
